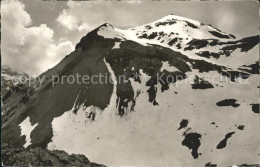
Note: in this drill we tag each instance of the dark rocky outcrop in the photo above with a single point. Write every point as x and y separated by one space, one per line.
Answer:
248 165
196 44
219 31
192 141
255 108
152 35
148 27
7 95
223 143
199 83
144 35
210 165
173 41
191 25
18 156
241 127
178 46
244 45
228 102
169 22
183 124
219 35
252 69
233 75
208 54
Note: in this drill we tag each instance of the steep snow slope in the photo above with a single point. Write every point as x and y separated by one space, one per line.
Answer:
149 137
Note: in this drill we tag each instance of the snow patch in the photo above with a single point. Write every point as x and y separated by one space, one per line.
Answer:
167 67
26 129
109 32
112 102
117 45
6 76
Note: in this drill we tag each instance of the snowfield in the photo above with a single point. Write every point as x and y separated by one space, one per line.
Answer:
149 137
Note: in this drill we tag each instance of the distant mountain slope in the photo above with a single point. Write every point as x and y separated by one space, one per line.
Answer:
14 85
10 77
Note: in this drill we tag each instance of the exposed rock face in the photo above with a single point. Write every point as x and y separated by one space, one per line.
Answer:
226 47
183 124
15 91
208 54
241 127
223 143
253 68
199 83
255 108
210 165
228 102
18 156
192 141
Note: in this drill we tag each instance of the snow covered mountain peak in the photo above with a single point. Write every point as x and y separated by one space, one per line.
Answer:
109 31
168 30
172 16
189 24
192 38
106 26
173 25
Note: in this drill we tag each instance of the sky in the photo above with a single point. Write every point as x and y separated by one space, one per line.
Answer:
37 34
